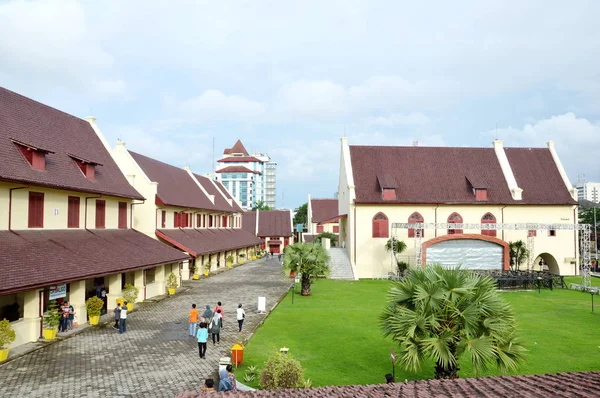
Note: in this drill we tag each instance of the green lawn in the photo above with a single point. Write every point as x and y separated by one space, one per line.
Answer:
335 333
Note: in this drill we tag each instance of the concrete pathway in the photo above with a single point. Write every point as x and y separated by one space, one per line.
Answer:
155 358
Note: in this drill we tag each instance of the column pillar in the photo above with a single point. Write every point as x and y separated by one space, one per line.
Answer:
185 271
77 300
31 318
139 282
160 279
114 291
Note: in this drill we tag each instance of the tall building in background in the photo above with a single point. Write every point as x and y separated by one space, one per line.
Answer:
248 178
588 191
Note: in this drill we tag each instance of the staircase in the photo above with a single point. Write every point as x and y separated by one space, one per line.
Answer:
339 264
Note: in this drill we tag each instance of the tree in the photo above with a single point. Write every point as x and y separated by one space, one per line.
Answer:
442 314
518 254
308 259
260 205
330 235
398 246
301 214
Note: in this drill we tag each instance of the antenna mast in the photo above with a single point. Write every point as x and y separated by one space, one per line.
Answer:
214 166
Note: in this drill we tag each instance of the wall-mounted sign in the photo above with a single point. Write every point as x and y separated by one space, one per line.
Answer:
56 212
59 291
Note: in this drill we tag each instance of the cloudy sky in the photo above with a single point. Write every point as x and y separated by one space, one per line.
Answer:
291 77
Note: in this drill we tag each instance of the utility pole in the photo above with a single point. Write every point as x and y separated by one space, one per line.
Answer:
595 229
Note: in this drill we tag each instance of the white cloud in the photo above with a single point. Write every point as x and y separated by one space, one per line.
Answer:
213 104
400 119
577 141
320 98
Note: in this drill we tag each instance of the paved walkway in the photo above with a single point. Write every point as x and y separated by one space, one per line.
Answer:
155 358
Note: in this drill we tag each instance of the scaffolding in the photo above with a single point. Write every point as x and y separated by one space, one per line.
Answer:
530 227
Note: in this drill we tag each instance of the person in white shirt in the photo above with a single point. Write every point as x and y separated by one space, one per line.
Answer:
241 314
123 320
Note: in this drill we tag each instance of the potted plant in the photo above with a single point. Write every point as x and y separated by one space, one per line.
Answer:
130 294
51 320
230 260
7 336
94 307
172 283
195 272
207 267
251 255
242 255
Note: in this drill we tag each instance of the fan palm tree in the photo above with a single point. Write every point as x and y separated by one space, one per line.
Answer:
308 259
518 254
443 314
398 247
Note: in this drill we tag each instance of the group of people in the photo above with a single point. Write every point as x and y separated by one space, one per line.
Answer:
67 317
211 323
227 381
120 312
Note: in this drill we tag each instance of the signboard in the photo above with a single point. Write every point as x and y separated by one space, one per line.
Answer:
299 227
59 291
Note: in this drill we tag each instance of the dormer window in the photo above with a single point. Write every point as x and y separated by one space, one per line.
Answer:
479 187
87 167
35 156
481 194
388 185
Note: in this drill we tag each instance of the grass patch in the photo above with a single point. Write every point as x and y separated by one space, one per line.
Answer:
336 337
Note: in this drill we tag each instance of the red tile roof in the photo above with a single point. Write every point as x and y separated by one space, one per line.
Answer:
221 203
63 135
323 209
274 223
442 174
238 147
75 254
207 241
237 169
249 222
175 186
582 385
236 206
241 159
309 237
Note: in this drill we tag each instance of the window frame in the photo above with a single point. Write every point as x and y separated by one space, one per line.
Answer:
380 226
452 220
122 215
35 213
73 211
489 232
100 216
413 220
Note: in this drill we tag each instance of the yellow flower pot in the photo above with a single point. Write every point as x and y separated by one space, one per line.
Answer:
50 334
196 276
229 265
94 319
171 291
4 354
206 272
241 261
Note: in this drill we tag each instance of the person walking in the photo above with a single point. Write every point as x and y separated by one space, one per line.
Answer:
219 307
117 312
193 320
207 314
241 315
202 336
215 330
123 318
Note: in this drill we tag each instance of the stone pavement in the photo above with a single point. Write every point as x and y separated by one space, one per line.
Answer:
155 358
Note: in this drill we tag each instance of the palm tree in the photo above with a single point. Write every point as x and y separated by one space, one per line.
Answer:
308 259
260 205
442 314
518 254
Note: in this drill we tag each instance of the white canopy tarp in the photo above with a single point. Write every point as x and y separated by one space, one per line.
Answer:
468 253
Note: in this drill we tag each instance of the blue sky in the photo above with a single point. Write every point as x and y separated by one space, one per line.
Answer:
291 78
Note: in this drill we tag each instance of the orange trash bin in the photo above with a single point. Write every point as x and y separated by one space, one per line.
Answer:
237 353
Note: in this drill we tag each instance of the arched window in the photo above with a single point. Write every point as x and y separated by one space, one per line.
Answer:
488 218
454 218
380 226
415 218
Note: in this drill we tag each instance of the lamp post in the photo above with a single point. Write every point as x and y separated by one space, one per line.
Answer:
539 284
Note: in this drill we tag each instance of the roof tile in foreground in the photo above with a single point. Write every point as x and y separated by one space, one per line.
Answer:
249 221
207 241
563 385
66 136
323 209
175 186
75 254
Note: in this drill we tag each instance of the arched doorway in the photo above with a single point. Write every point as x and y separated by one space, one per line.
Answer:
549 263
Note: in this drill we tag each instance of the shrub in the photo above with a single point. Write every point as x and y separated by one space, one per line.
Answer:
402 266
51 316
330 235
130 293
94 306
281 371
7 334
172 281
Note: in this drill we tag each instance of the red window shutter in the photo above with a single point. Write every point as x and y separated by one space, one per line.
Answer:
532 232
481 194
163 219
38 161
100 214
36 210
210 221
122 214
198 220
336 229
389 194
224 221
319 229
73 212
